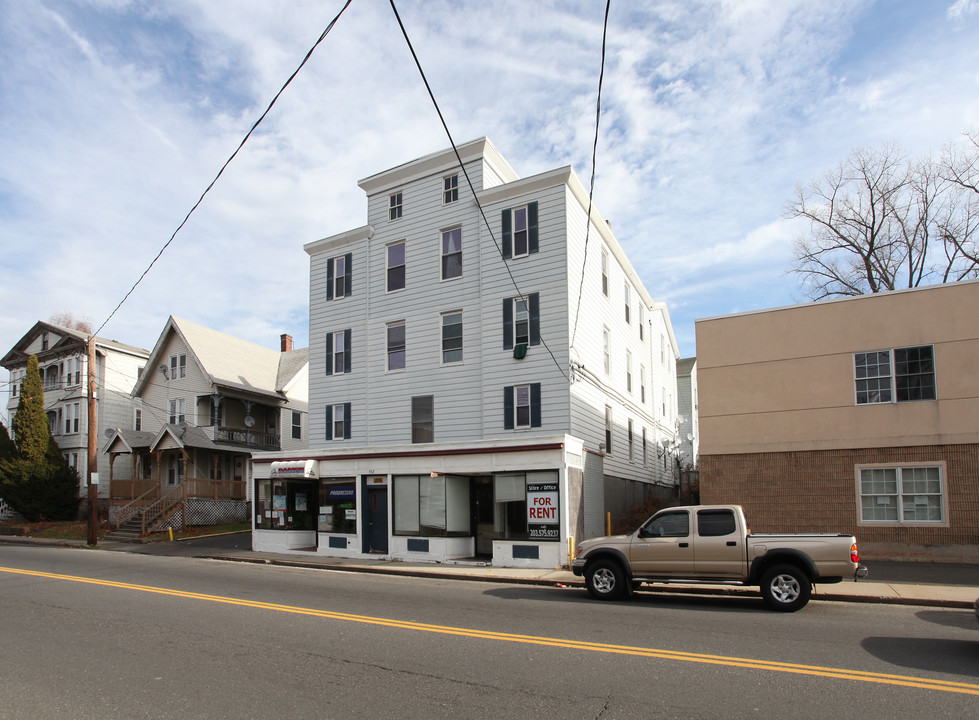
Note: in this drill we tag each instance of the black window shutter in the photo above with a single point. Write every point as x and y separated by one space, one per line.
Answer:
535 405
329 353
346 351
329 422
329 279
534 312
346 421
348 273
507 324
532 243
507 233
508 407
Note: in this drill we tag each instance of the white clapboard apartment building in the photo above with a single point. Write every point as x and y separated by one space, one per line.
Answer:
466 402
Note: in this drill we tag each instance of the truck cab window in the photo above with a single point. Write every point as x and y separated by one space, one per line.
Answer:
714 523
674 524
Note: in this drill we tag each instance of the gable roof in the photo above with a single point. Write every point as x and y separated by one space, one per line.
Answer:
183 436
227 361
67 338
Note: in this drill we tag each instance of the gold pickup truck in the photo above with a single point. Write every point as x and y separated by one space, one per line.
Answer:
711 544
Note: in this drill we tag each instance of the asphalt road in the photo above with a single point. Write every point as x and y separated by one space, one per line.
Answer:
90 634
880 571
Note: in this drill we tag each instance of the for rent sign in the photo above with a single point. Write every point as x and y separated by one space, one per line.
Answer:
543 517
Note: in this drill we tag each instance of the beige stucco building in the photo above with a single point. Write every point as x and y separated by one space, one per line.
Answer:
858 415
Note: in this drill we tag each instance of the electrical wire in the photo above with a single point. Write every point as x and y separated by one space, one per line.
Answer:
226 163
591 187
468 180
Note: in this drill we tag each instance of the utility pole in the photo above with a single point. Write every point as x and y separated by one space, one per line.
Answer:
93 436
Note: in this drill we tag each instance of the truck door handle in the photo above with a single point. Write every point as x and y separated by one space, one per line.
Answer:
684 544
731 543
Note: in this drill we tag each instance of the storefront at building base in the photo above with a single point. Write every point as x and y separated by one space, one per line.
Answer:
508 503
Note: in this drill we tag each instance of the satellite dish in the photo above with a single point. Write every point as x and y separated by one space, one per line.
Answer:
249 421
109 432
689 437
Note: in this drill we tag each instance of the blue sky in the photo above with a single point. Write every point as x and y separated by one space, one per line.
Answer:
115 114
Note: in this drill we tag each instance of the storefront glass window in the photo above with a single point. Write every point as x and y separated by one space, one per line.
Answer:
285 504
338 506
431 506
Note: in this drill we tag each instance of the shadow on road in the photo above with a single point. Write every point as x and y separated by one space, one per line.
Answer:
957 657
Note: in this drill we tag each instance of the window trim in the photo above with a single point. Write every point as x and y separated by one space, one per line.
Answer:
608 429
605 273
892 378
508 234
450 189
510 322
942 468
331 352
511 409
443 255
389 267
422 419
442 329
388 348
331 281
395 206
331 421
607 350
628 302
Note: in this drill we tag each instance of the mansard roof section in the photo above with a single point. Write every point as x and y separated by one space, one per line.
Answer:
439 163
227 361
67 339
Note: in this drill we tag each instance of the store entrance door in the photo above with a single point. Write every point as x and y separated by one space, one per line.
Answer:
482 515
377 520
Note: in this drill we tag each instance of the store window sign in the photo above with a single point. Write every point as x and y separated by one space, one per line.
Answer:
543 517
340 493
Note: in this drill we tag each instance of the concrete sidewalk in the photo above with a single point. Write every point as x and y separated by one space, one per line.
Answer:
899 593
904 585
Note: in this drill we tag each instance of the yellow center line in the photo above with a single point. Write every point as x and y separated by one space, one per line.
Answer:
813 670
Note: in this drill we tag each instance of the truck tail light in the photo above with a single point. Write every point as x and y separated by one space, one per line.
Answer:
854 555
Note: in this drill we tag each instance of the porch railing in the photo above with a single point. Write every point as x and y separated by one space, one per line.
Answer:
161 510
138 505
128 489
215 489
193 488
247 437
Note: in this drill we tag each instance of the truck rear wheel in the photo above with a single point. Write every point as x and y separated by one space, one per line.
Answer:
785 588
605 580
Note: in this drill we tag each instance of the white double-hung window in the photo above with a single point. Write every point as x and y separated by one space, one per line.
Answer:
909 494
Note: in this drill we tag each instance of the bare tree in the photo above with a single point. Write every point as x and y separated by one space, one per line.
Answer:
68 320
959 167
880 222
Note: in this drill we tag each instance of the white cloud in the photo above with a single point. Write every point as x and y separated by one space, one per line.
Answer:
118 114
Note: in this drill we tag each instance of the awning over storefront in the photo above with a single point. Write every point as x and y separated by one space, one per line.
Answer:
295 469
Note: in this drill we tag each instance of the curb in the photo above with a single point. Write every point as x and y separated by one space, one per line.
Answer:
578 584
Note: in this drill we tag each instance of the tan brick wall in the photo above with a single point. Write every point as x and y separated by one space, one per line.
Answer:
815 491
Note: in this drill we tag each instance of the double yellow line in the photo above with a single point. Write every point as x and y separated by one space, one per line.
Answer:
812 670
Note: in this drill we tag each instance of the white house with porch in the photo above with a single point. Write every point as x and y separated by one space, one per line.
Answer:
209 400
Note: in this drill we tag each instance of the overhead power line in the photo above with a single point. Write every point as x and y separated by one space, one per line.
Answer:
468 180
226 163
591 186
